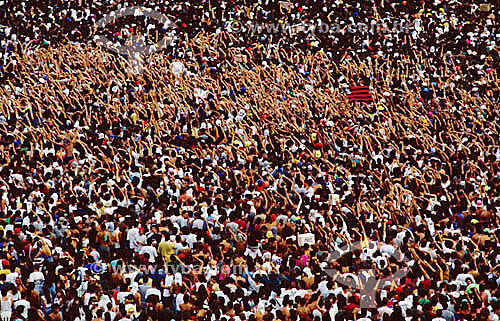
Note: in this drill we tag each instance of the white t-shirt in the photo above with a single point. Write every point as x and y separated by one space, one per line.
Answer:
191 240
138 240
26 304
253 253
121 296
333 311
149 250
153 291
386 248
131 236
169 280
317 313
103 302
462 277
11 277
323 288
211 272
383 310
36 277
130 309
179 299
87 297
221 294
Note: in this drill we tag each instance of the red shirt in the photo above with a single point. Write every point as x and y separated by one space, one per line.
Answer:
241 224
351 306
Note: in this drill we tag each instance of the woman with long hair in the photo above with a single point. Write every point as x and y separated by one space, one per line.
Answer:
35 314
47 299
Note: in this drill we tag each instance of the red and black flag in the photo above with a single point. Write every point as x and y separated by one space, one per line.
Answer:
360 93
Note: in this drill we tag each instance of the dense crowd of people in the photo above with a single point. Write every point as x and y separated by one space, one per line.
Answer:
233 179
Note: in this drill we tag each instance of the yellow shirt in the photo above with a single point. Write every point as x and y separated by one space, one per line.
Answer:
166 249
